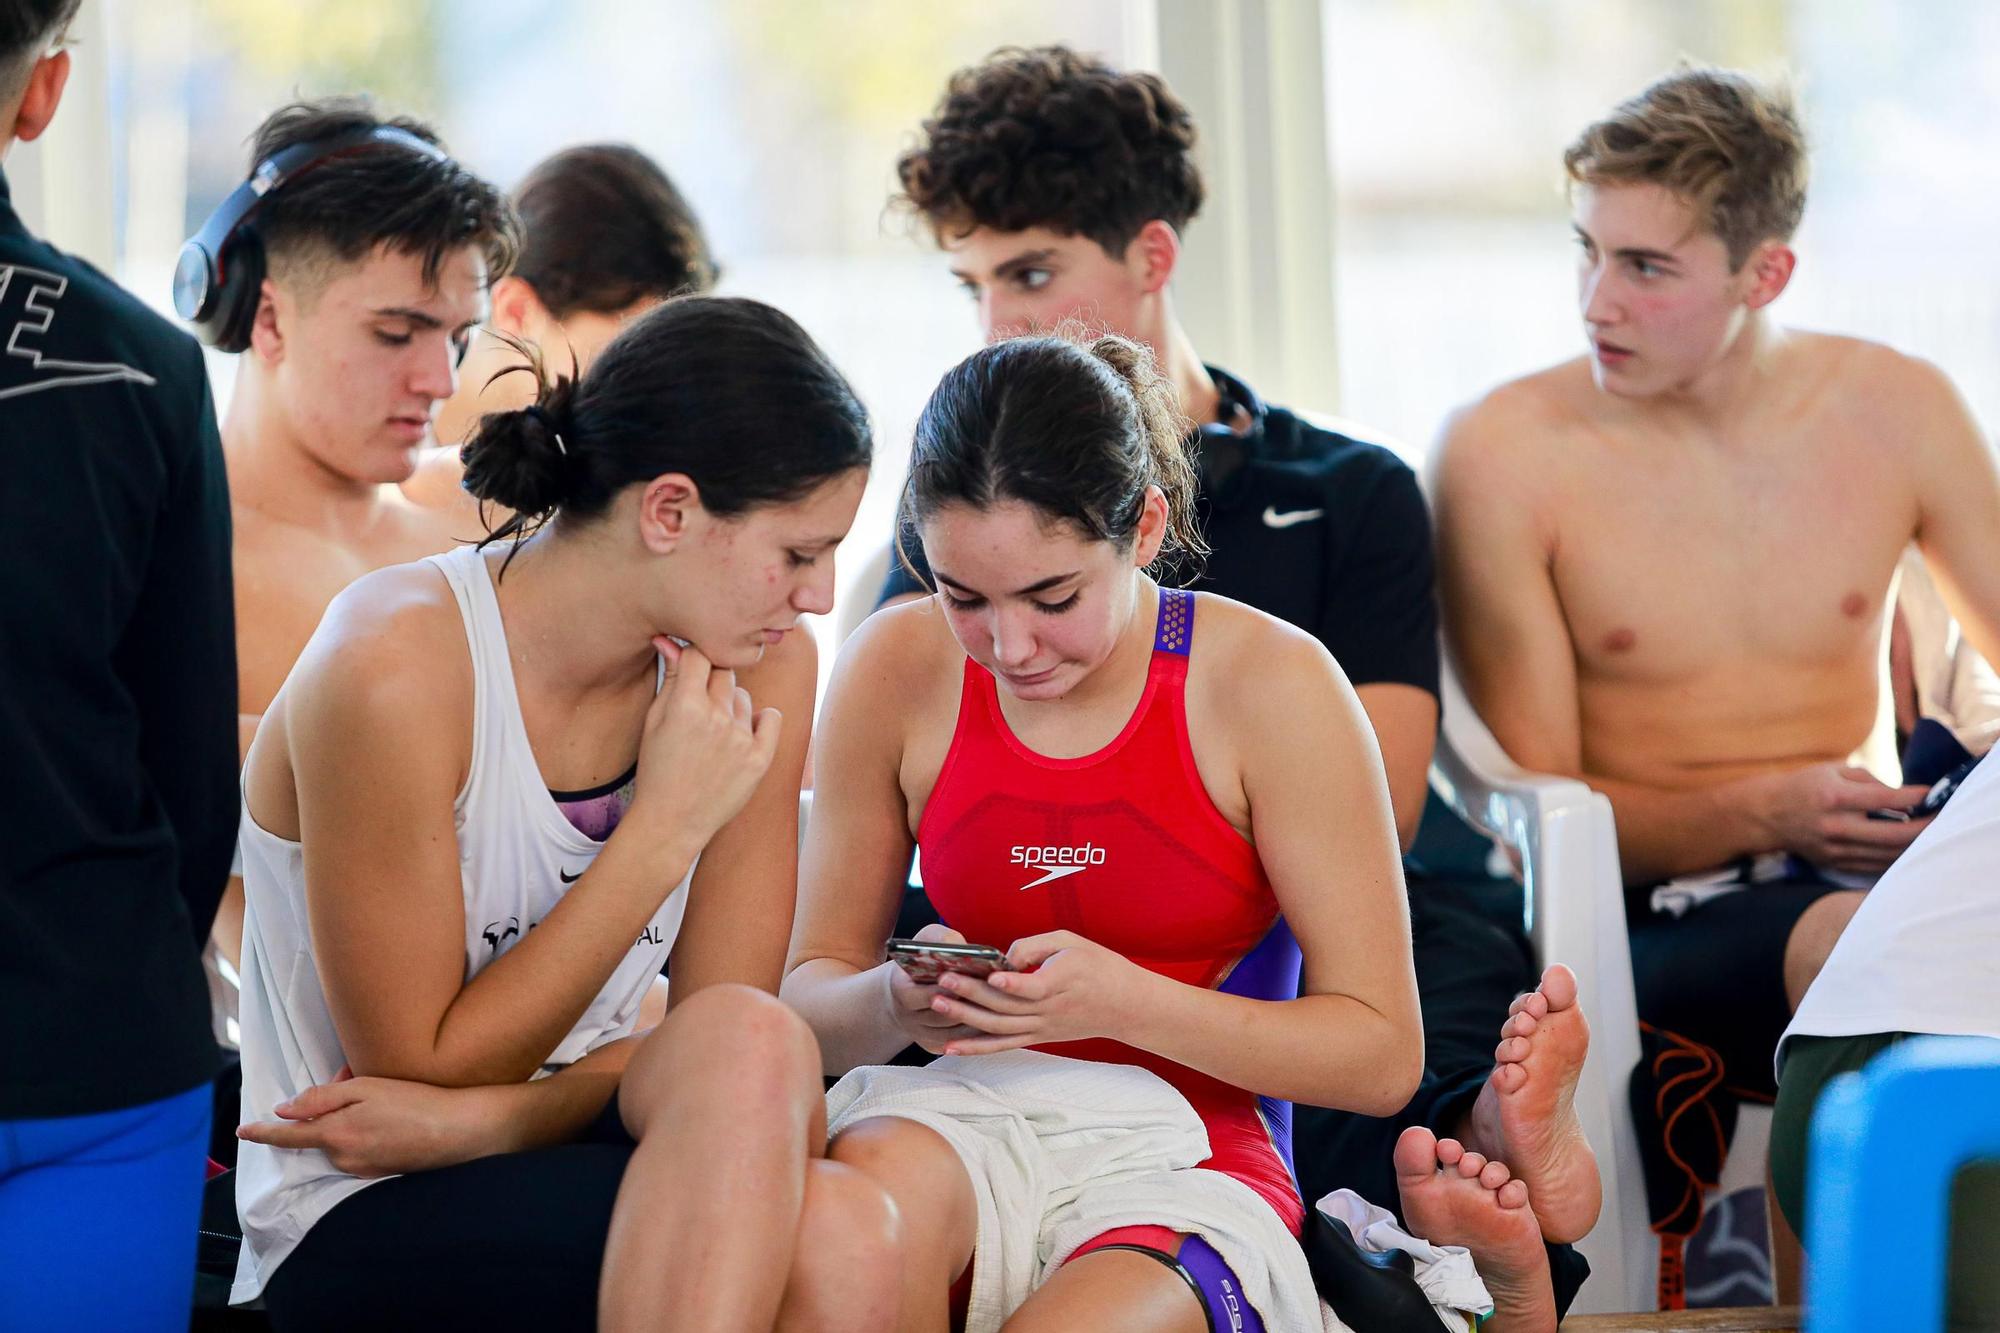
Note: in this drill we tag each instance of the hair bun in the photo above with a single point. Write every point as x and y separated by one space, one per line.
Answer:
519 459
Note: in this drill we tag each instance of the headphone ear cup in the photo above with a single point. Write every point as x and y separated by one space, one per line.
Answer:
242 288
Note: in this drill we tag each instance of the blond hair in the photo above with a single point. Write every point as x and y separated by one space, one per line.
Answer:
1731 147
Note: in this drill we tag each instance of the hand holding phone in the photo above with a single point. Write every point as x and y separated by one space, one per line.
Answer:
910 987
1934 799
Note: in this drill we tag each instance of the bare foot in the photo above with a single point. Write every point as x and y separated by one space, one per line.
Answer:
1455 1197
1526 1116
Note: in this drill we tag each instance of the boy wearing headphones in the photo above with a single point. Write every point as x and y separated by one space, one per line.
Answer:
117 684
348 272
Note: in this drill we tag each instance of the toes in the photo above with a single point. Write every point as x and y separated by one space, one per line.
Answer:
1471 1164
1448 1151
1520 1025
1508 1078
1536 1003
1416 1154
1495 1175
1512 1050
1559 986
1513 1194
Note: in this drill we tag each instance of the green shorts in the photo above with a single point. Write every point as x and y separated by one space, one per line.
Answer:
1972 1288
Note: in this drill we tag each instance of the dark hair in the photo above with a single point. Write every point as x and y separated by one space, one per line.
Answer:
1049 138
26 25
603 228
1077 432
1732 148
344 207
727 390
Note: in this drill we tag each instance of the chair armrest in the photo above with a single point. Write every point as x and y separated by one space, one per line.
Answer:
1562 839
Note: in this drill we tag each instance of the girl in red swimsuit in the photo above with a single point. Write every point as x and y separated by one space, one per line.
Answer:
1144 796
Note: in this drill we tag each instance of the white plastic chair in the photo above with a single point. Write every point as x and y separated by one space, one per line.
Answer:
1561 834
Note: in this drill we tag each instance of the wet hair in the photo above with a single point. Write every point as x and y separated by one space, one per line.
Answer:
1045 137
1729 146
27 28
729 391
347 205
1079 431
602 228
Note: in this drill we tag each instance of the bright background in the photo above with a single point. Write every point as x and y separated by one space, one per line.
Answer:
1387 233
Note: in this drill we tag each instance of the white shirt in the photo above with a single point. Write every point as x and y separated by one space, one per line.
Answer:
1923 952
517 855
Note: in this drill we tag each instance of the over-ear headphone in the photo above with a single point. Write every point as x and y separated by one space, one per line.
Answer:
221 268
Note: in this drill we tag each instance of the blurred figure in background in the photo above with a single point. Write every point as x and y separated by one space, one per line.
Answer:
605 237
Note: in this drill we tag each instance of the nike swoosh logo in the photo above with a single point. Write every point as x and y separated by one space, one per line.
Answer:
1274 519
1054 872
568 878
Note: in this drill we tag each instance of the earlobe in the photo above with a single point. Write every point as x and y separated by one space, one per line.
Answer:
1152 534
1773 266
517 310
43 94
666 506
1159 247
267 338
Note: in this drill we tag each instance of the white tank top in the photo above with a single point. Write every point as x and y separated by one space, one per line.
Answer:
517 855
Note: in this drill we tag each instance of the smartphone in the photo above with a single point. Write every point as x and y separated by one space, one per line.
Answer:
1934 799
926 961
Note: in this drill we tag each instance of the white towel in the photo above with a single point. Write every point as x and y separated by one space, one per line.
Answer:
1061 1151
1444 1272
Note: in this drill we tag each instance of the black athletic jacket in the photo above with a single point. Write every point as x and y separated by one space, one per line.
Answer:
118 795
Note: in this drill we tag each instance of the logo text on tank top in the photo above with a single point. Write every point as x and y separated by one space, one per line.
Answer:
1056 862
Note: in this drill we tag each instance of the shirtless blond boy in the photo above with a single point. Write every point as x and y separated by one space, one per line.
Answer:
1665 564
378 262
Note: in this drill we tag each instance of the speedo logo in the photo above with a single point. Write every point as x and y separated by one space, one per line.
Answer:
1056 862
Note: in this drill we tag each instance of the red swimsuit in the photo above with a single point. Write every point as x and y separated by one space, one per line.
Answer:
1125 848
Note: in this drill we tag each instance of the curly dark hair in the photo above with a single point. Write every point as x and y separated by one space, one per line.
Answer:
1045 137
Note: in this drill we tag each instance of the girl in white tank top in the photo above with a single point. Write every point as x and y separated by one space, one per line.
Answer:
444 1123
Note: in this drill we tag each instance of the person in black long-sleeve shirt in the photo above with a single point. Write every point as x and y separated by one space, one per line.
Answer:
117 722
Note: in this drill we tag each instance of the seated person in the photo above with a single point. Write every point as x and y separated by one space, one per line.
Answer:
1918 957
471 817
1093 790
1044 224
377 263
1666 563
605 237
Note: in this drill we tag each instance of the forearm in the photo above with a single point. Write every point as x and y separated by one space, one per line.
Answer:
556 1109
848 1011
504 1023
1323 1050
1663 833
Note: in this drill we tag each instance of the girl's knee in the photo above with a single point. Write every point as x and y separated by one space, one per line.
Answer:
726 1043
849 1213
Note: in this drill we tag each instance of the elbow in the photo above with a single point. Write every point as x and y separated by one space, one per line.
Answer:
1407 1073
1399 1070
1396 1083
